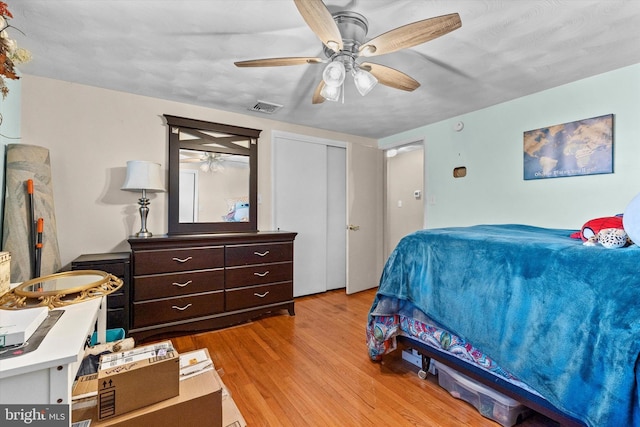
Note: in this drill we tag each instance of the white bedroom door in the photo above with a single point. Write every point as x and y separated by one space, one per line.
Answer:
307 182
365 206
188 196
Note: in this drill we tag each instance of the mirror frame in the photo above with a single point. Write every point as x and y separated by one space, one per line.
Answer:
22 297
174 124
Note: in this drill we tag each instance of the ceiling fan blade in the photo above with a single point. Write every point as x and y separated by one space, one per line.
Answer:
391 77
411 35
319 19
278 62
317 98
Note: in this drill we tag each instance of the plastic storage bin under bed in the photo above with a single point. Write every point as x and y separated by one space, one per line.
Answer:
488 402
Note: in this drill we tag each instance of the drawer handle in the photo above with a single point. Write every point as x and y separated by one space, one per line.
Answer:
261 254
182 260
261 295
182 285
181 308
261 274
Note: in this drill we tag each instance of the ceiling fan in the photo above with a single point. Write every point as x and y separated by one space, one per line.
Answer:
343 35
208 161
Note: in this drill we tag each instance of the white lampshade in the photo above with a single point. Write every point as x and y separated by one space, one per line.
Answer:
365 81
331 93
143 175
334 74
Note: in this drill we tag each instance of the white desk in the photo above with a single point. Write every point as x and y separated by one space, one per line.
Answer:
45 375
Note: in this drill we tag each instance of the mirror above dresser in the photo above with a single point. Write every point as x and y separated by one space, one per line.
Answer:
212 177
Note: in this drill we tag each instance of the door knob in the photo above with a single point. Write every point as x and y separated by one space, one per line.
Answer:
353 227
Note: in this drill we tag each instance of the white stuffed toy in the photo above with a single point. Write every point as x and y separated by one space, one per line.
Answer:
609 238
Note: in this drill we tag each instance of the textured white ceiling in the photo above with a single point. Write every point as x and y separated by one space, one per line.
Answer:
184 51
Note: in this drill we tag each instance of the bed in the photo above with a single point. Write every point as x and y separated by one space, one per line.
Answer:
538 315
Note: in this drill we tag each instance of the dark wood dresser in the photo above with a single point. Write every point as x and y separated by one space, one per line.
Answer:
190 283
118 264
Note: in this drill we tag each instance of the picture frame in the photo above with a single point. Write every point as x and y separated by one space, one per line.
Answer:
582 147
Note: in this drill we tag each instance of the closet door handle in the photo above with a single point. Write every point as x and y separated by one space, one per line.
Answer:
261 274
261 295
175 307
182 285
261 254
182 260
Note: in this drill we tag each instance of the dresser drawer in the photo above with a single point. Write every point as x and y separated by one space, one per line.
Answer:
117 269
258 254
116 263
237 299
173 260
116 317
167 310
117 300
177 284
236 277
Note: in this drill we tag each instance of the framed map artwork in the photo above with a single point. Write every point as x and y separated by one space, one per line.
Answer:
583 147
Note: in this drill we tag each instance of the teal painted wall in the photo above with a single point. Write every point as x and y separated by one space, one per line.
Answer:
491 147
9 131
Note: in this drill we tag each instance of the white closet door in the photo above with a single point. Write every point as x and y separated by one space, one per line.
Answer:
300 205
336 217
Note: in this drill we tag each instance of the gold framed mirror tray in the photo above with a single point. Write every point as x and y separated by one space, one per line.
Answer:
60 289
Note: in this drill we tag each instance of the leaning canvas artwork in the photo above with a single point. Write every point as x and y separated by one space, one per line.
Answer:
583 147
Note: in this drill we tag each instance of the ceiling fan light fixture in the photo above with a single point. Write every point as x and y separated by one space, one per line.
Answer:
331 93
334 74
364 80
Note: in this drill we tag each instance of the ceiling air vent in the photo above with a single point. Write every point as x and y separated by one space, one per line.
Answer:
265 107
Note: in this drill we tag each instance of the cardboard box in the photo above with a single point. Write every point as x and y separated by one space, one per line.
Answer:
137 378
199 403
5 272
199 360
231 416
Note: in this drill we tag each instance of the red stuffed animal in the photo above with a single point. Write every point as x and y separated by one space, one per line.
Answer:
593 226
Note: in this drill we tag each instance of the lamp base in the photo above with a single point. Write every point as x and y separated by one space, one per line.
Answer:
144 211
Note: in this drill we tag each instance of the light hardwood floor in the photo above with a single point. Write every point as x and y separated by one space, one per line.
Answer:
312 369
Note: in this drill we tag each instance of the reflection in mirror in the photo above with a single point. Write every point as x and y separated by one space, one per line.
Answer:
62 284
212 185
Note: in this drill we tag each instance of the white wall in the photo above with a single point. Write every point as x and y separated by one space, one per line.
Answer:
491 147
9 130
92 132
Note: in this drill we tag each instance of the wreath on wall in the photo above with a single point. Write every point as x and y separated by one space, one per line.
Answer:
10 53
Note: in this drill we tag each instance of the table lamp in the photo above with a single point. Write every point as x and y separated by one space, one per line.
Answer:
143 176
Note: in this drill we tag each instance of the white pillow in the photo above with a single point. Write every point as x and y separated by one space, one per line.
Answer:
631 219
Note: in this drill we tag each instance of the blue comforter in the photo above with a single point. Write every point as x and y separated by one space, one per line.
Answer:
561 316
